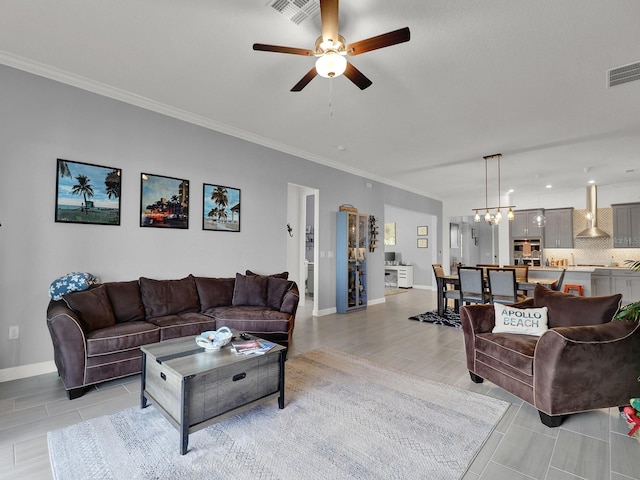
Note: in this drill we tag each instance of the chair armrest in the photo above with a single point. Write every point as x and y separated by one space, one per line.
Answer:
69 344
587 367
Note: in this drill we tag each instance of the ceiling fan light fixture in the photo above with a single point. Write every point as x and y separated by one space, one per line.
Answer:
331 64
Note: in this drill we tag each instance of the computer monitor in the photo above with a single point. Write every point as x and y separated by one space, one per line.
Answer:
389 256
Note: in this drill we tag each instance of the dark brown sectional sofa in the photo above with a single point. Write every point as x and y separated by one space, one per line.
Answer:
97 333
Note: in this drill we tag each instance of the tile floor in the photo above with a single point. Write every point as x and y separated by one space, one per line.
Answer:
591 446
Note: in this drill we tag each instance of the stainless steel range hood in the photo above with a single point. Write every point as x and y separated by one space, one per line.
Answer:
592 230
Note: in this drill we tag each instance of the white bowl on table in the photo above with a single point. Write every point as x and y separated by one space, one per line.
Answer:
213 341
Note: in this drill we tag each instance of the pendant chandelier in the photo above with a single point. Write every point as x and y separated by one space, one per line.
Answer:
492 215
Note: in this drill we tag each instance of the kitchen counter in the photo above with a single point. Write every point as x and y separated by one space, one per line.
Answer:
577 268
595 280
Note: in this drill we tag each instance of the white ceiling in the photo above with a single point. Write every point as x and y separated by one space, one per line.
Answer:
524 78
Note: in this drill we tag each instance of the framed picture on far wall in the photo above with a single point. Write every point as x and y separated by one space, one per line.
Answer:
87 193
164 201
221 208
423 243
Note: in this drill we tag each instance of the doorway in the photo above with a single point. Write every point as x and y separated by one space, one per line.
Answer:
302 247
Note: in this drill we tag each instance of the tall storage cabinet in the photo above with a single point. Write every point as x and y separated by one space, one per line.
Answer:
351 265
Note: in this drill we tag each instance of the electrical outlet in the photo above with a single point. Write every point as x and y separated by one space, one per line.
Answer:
14 332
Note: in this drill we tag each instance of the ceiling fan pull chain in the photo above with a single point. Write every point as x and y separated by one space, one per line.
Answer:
331 97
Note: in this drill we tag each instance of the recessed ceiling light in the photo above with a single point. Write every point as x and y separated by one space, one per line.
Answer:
511 190
548 186
341 148
592 181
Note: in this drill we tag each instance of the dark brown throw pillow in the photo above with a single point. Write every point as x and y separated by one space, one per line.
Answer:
92 306
567 310
276 289
215 292
125 301
250 290
169 297
284 275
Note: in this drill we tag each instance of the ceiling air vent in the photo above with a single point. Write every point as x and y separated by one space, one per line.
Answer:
296 10
625 74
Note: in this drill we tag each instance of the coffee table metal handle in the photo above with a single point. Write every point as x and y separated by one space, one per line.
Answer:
239 376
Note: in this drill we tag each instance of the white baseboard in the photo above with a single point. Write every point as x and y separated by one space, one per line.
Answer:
376 301
326 311
24 371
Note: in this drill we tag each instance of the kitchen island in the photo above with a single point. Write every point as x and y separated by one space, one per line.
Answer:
595 280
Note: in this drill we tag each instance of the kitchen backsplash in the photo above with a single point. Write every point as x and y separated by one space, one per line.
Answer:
593 251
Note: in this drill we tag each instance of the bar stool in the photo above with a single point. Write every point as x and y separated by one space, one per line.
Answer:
575 287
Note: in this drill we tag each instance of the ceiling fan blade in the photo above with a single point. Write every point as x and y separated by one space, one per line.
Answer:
379 41
305 80
278 49
329 16
357 77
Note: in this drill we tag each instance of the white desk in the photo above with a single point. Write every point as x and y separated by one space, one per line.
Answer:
404 275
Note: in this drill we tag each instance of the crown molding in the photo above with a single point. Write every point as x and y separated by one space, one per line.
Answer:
83 83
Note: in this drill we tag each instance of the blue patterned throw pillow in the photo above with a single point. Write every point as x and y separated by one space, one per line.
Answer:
71 282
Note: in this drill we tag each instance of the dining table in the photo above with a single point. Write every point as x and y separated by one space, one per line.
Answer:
453 279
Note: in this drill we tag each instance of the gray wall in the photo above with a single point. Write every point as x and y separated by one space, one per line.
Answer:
406 248
42 120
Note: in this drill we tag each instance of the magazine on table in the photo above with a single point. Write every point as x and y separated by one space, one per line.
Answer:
252 347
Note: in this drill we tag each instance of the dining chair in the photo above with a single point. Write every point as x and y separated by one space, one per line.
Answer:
557 284
446 292
522 272
472 285
485 266
503 287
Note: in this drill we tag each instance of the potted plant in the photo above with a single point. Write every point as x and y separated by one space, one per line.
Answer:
631 312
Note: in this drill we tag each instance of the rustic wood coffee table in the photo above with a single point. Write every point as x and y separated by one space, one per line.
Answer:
193 388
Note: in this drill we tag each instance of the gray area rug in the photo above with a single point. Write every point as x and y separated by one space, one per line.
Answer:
344 418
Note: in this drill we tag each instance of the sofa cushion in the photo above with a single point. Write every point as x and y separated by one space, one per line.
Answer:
251 319
566 310
169 297
512 350
125 301
183 324
214 292
250 290
121 337
527 321
284 275
276 288
92 306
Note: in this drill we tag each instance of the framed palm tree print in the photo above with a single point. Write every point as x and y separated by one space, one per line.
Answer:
221 208
87 193
164 201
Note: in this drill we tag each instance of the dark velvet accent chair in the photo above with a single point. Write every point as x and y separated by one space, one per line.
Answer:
584 361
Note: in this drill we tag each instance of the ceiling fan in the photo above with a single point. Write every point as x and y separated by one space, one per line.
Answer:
331 49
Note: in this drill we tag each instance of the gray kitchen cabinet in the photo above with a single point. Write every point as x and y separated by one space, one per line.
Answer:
626 282
558 231
600 283
522 225
626 225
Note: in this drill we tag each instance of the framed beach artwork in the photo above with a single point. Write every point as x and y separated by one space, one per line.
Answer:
423 243
87 193
164 201
221 208
423 230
